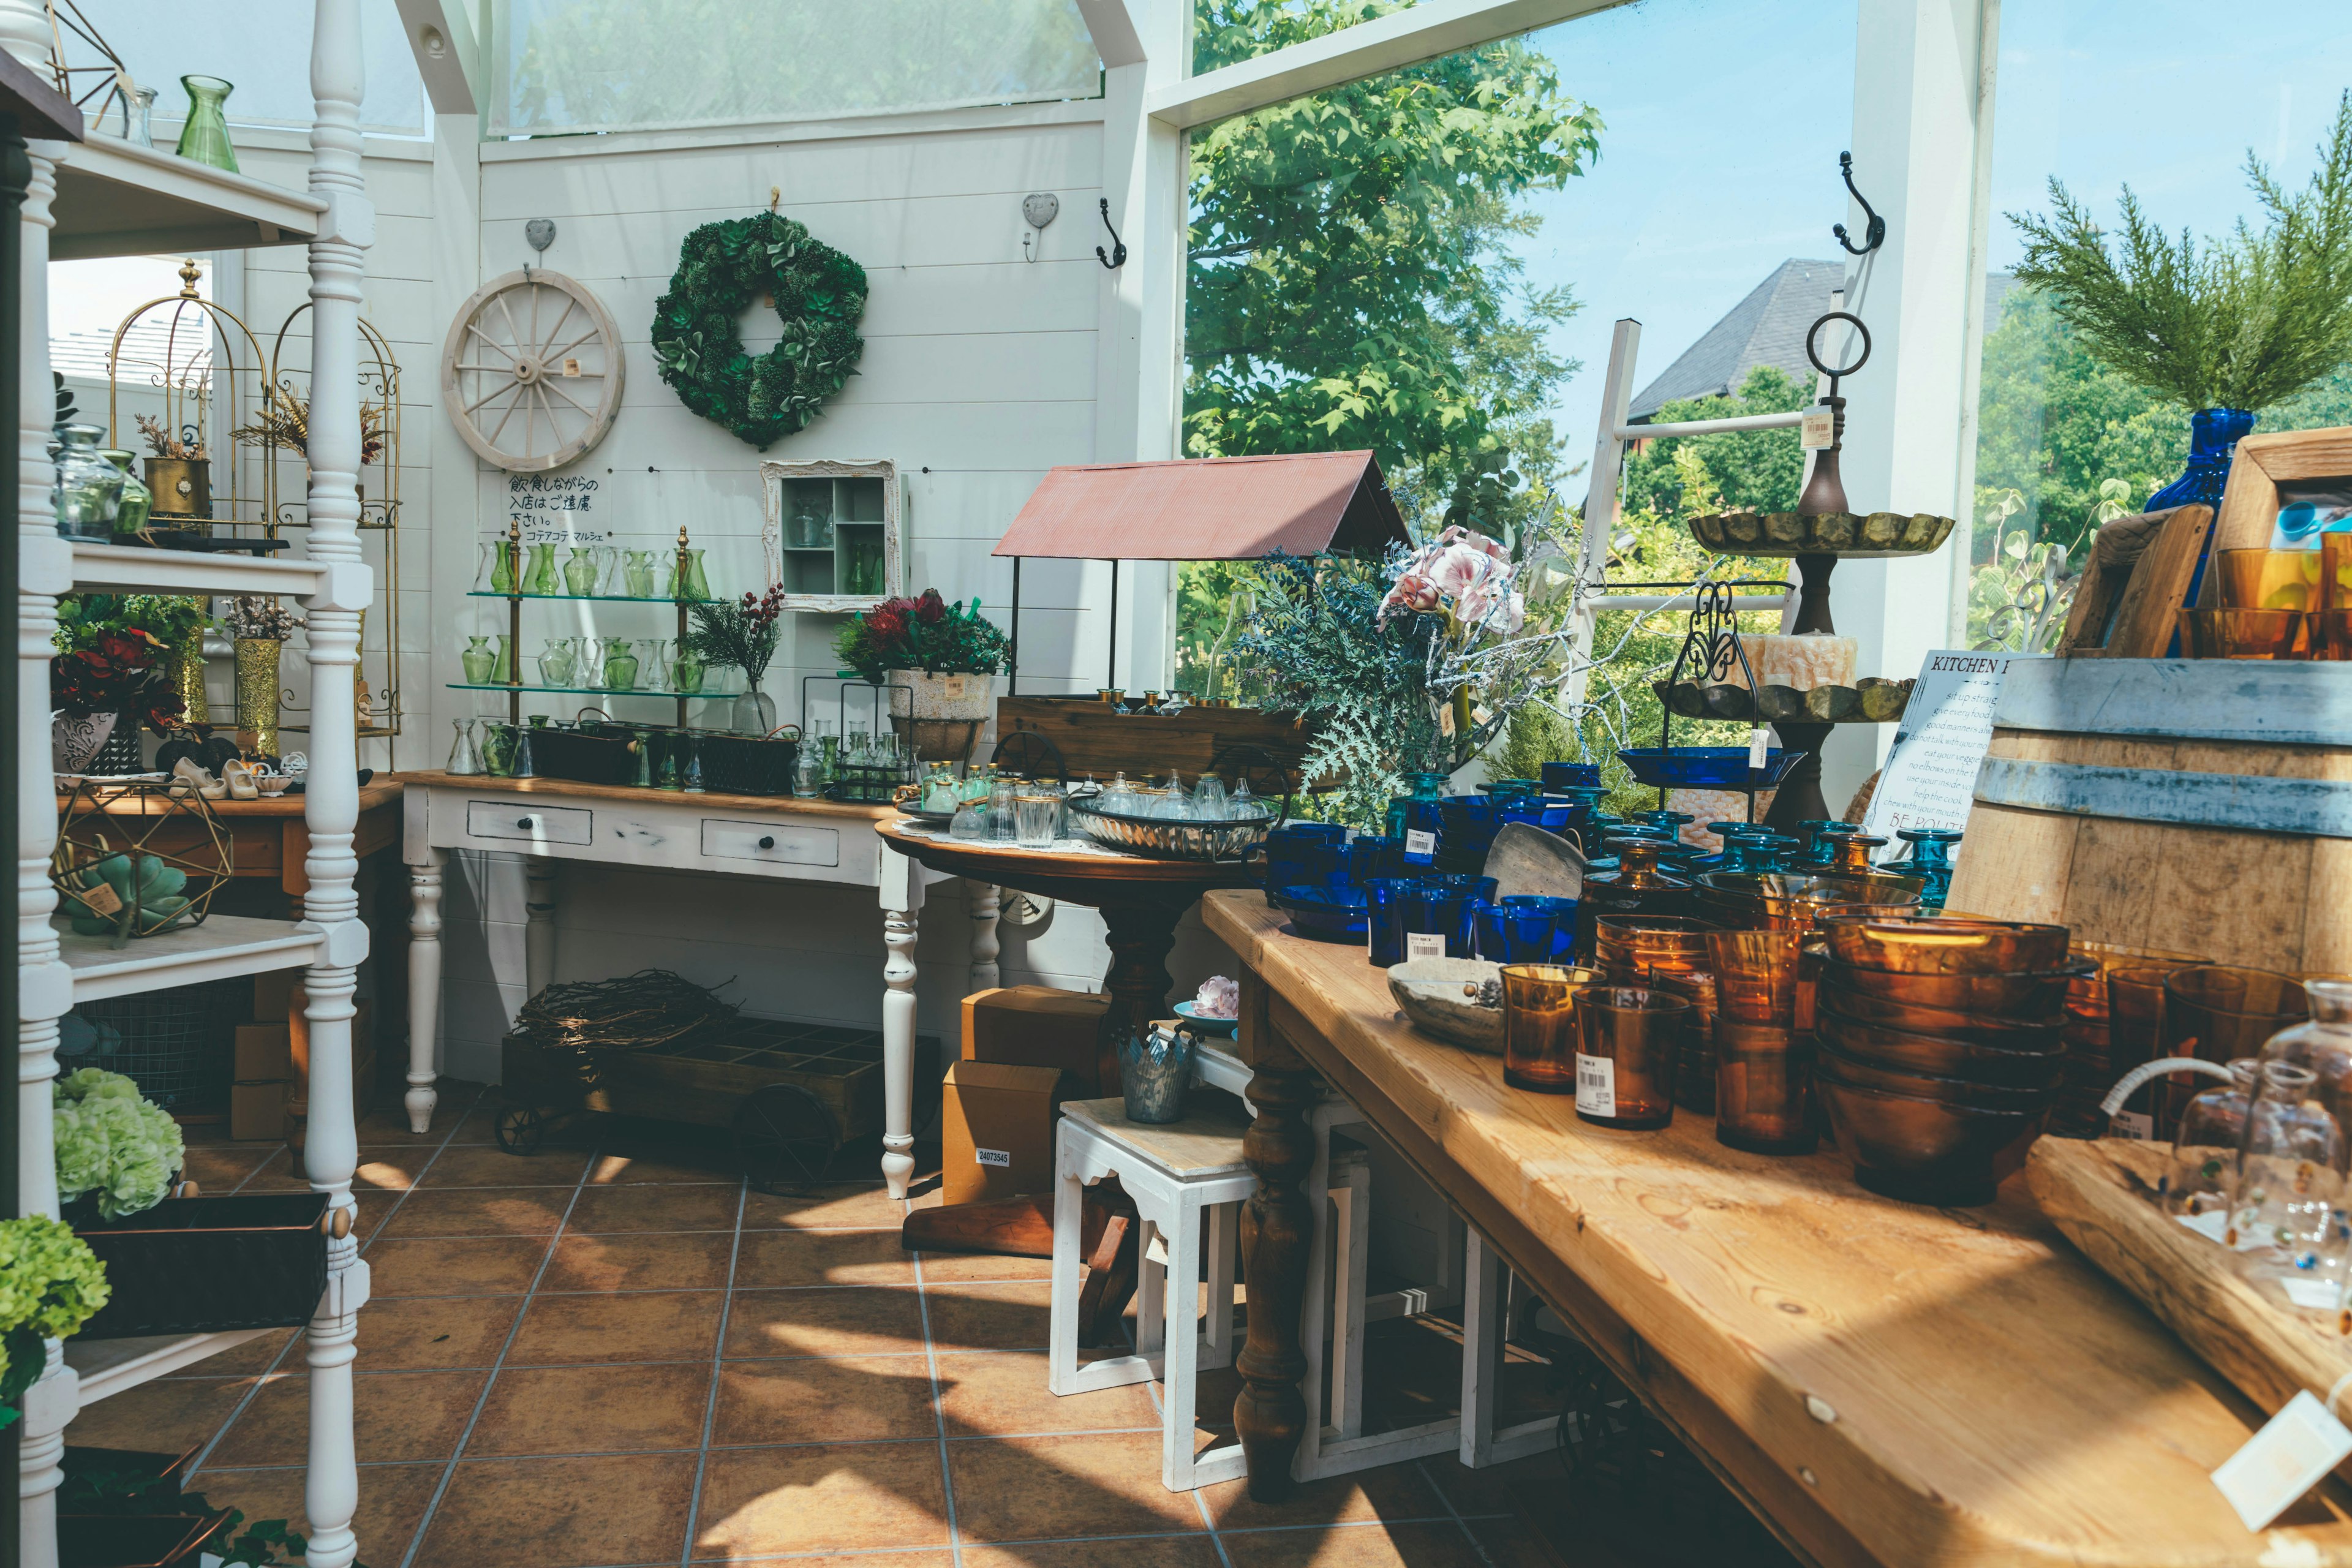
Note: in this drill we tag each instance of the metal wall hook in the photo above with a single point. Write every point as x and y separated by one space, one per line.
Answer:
1875 232
1118 256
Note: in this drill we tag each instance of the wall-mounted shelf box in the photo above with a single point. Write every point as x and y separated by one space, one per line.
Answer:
832 534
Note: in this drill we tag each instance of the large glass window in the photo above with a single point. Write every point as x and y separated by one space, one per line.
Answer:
563 66
162 40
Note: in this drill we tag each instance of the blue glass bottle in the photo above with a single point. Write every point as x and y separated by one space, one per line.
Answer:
2213 438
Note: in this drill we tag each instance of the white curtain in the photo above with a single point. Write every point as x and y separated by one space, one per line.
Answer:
559 66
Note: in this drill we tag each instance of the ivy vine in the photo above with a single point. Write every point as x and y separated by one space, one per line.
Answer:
819 295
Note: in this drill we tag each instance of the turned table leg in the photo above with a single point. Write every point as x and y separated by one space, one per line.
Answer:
985 899
1141 936
1271 1413
902 902
424 988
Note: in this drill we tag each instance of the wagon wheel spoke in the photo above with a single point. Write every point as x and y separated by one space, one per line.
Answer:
493 392
493 436
557 328
554 353
568 398
495 346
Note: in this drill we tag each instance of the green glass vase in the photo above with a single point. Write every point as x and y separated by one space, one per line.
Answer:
579 572
541 578
138 501
204 139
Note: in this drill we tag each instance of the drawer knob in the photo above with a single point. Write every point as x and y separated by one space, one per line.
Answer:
769 842
522 822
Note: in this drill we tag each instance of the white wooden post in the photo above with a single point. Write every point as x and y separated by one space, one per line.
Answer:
425 988
986 901
902 906
338 259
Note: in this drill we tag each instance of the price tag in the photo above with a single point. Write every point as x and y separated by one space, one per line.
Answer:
1758 741
953 688
1420 844
1818 430
571 367
1424 945
100 900
1596 1085
1445 720
2132 1124
999 1158
2283 1460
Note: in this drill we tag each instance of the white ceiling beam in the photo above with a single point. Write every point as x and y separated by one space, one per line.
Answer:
1401 38
1116 38
441 36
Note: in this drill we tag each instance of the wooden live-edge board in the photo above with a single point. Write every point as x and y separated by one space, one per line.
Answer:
1887 1383
2101 1194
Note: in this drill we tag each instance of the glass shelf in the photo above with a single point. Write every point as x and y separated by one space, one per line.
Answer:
587 598
601 691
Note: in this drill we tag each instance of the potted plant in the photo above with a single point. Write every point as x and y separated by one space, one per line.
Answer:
107 676
54 1284
740 633
932 648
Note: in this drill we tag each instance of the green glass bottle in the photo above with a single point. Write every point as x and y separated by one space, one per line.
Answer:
137 502
539 577
502 568
696 588
204 139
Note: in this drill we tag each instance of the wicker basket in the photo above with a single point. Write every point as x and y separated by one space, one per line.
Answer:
207 1265
746 764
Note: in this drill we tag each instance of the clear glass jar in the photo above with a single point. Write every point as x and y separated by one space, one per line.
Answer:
2322 1042
89 489
2286 1214
2205 1151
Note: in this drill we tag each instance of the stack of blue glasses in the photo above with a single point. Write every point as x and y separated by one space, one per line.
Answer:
1316 873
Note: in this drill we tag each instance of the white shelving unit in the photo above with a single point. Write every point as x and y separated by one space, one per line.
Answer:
106 197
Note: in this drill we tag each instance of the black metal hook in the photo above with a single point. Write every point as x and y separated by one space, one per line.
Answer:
1874 233
1118 256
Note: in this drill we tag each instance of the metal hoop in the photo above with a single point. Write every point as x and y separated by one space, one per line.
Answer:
1816 332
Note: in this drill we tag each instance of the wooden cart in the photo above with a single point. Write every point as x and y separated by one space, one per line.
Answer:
791 1094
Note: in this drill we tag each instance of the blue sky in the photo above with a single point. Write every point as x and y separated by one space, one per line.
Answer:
1725 119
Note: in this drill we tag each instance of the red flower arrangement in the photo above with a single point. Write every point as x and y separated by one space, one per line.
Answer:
927 634
118 673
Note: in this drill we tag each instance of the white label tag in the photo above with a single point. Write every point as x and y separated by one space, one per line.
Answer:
1445 720
953 688
1423 944
2283 1460
571 367
1819 430
999 1158
100 900
1419 841
2132 1124
1758 742
2313 1295
1596 1085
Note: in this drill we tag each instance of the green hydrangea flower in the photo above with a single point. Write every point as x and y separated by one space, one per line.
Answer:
112 1142
50 1284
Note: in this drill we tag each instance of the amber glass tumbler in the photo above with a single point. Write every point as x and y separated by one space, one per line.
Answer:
1628 1041
1539 1025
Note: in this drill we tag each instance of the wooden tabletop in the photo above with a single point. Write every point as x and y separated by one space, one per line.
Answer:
381 790
805 806
995 861
1886 1382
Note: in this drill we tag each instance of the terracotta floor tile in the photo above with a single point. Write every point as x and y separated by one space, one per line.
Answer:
374 1208
839 1205
484 1264
218 1168
691 1261
621 1168
395 1416
1441 1545
1474 1493
401 1334
852 1399
384 1168
1391 1492
947 1267
488 1165
1150 1551
495 1211
171 1412
388 1123
592 1409
660 1325
858 1321
1005 1395
990 1317
827 1497
1048 1489
543 1513
773 1258
655 1208
393 1499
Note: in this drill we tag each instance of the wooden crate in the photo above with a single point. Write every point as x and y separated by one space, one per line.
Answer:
1094 738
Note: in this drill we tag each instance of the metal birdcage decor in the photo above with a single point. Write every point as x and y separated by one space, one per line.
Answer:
137 857
204 366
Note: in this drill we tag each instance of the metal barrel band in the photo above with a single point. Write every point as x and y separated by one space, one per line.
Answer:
2316 809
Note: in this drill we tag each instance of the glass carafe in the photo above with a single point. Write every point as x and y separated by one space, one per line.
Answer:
89 489
609 582
478 662
579 572
204 136
540 576
2286 1213
138 501
2204 1169
462 758
139 116
2322 1042
637 574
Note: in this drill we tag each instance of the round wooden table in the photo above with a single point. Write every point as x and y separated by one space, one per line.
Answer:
1140 900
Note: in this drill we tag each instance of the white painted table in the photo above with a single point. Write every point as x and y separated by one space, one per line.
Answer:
779 838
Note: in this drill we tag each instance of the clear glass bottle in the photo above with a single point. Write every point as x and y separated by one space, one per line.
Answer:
2204 1169
463 761
2286 1212
1000 795
88 491
2323 1042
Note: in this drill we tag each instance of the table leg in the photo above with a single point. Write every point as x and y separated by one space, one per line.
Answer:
423 989
1278 1229
985 899
1141 936
539 927
902 902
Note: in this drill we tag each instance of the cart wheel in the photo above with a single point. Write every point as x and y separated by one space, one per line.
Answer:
785 1138
519 1129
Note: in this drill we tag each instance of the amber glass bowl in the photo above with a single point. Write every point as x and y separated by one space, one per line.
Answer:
2244 634
1939 1056
1927 1151
1941 946
2016 1033
2026 995
1866 1074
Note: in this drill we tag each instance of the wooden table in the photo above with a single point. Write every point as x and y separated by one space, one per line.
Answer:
1881 1382
269 838
779 837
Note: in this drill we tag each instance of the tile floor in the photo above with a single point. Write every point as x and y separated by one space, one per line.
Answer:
591 1358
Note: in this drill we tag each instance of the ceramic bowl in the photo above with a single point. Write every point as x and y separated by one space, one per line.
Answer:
2014 1032
1938 1056
1216 1028
1863 1074
1431 991
1927 1151
1934 945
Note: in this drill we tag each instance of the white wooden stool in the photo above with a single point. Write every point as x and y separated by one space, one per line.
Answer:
1188 1182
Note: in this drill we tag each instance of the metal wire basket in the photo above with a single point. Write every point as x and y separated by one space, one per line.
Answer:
1167 840
176 1044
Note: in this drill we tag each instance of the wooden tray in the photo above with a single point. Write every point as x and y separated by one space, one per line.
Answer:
1097 739
2101 1196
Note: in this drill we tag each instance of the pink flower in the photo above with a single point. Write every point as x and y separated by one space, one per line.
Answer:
1459 568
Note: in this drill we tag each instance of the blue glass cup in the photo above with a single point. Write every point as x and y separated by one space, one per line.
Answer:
1437 912
1304 853
1482 933
1384 900
1558 777
1484 888
1535 929
1371 856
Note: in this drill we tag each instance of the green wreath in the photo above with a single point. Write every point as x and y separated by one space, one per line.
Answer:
819 295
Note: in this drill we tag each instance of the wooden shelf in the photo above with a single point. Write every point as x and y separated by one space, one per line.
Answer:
121 569
108 1367
118 199
222 947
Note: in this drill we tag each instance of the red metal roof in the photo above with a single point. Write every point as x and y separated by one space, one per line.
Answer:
1207 509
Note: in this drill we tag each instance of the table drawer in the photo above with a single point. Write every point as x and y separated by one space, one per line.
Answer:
782 844
528 823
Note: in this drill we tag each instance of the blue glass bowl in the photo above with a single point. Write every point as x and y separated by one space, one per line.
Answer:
1706 767
1327 914
1216 1028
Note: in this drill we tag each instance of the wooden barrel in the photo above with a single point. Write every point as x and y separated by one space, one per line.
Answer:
2197 806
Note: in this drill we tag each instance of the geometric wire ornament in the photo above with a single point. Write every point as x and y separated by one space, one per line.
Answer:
138 859
531 373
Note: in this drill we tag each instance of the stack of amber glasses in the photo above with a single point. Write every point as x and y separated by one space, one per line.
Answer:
1941 1049
1667 953
2114 1017
1763 1050
1788 900
2222 1013
2277 604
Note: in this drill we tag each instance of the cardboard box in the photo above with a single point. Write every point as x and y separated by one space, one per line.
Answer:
274 994
264 1053
257 1110
1037 1026
997 1130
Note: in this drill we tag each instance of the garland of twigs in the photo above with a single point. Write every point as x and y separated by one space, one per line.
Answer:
640 1011
818 294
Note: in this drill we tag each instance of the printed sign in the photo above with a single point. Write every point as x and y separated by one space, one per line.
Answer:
1930 777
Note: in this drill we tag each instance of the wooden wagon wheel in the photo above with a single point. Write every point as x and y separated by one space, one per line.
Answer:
785 1138
531 373
1031 754
519 1129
